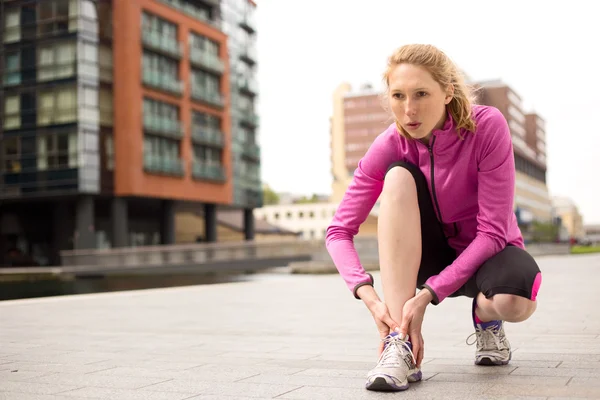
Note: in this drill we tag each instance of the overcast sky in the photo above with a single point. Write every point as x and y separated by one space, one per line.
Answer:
547 53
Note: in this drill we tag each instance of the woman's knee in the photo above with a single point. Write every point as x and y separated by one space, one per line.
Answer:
514 308
399 185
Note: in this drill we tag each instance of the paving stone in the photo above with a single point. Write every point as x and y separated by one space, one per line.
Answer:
168 344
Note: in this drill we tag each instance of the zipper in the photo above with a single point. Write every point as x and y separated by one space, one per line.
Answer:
435 200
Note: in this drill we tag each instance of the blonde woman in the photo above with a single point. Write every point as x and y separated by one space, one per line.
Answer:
445 176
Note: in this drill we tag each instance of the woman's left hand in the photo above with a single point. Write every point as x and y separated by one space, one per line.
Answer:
412 321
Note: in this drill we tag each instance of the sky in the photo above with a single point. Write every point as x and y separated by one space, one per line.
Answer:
547 53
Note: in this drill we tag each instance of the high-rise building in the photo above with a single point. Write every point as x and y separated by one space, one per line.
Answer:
358 118
532 200
239 25
117 113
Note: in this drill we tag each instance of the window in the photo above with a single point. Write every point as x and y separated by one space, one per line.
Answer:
58 106
105 19
12 75
54 16
159 109
162 65
203 44
153 23
207 156
12 112
206 83
12 25
12 154
161 147
57 151
109 148
206 121
106 107
56 61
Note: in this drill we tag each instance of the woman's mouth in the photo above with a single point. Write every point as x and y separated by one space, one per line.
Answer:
413 125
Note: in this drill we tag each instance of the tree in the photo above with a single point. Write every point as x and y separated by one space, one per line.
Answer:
269 196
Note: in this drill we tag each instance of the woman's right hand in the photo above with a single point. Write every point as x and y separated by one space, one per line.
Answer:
383 320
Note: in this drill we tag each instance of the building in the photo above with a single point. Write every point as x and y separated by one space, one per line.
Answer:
358 118
570 217
532 199
240 27
309 220
115 114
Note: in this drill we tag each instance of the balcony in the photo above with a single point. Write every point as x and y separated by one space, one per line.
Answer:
248 23
56 71
195 12
248 54
248 85
204 171
165 45
251 151
163 165
208 97
207 136
166 127
207 61
160 81
248 117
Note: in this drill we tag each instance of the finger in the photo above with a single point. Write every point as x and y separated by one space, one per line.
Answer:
405 325
421 355
393 325
416 350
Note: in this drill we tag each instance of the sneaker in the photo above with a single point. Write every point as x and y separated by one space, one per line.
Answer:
395 368
493 347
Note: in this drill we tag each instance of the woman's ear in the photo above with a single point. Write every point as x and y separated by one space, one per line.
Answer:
449 93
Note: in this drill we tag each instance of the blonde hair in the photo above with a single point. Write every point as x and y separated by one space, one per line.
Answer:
444 72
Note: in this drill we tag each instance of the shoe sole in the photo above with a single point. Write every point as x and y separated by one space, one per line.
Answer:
380 384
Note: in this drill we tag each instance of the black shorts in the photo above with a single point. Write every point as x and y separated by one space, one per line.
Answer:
511 271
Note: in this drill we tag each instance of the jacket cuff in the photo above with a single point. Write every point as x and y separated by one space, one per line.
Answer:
435 300
369 282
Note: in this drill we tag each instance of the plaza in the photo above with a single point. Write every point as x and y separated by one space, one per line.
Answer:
277 335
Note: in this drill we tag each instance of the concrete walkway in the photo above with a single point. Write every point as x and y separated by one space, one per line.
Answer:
289 337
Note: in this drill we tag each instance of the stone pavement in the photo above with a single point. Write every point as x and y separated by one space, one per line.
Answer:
287 337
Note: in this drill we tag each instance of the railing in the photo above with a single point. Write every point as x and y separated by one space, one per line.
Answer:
249 54
249 117
162 81
248 85
195 12
251 150
164 165
208 136
206 60
166 126
210 172
212 98
248 22
157 41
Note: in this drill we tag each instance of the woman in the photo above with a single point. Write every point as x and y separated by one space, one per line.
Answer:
444 173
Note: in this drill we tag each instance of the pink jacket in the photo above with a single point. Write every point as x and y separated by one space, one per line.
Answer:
474 182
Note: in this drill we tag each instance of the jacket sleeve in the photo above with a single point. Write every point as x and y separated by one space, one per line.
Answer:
496 188
358 201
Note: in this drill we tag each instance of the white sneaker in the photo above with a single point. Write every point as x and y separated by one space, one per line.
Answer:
493 348
395 368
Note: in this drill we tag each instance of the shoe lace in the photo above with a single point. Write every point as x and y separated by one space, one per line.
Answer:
490 338
394 349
